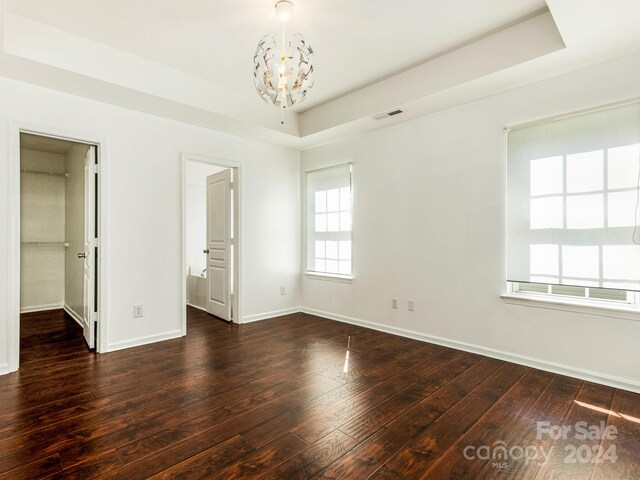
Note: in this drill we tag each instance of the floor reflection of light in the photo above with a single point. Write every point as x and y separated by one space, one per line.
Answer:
609 412
345 368
630 418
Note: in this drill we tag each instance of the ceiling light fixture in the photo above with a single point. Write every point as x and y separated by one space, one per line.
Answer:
283 72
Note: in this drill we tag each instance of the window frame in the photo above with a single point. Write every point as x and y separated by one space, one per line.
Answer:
583 306
309 272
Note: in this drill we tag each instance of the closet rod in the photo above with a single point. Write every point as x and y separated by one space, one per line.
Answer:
45 173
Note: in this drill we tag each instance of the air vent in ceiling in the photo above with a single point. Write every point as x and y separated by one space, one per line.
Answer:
381 116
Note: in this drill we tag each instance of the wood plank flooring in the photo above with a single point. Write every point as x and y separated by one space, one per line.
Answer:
277 400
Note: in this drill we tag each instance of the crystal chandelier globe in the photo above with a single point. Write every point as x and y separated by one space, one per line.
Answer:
283 68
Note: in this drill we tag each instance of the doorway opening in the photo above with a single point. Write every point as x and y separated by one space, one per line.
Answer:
210 229
58 243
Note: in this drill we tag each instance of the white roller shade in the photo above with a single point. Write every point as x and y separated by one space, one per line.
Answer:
571 200
329 220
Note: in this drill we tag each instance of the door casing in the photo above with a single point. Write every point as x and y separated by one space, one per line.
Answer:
13 233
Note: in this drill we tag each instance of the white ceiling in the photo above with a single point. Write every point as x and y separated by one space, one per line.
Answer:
193 60
356 42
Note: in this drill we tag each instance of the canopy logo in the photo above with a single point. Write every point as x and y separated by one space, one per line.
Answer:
500 454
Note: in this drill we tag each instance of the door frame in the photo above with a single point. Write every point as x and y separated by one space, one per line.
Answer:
13 232
237 234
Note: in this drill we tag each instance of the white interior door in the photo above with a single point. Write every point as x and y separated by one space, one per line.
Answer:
89 255
219 244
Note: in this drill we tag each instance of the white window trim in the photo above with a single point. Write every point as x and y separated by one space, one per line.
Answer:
583 306
332 277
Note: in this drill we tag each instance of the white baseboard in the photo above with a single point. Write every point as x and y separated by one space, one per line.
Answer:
196 306
268 315
41 308
588 375
137 342
73 314
4 368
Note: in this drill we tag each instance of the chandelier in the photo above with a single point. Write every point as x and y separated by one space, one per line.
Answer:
283 72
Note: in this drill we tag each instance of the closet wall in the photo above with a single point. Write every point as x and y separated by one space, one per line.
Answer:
42 230
52 229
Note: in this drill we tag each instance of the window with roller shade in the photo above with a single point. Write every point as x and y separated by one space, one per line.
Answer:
329 220
572 200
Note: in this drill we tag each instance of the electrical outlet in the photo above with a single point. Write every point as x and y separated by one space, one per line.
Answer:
412 305
137 310
394 303
283 290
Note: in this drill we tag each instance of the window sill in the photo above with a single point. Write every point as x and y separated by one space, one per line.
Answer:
627 312
329 277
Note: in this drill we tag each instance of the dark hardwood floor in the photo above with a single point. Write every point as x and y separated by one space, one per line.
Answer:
276 400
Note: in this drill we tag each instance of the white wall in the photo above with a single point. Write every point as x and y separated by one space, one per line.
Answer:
74 228
196 212
42 200
429 225
197 291
195 223
143 209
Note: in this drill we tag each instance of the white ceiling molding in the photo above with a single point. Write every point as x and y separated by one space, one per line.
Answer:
48 45
525 41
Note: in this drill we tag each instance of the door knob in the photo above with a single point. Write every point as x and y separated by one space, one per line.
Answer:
82 255
205 250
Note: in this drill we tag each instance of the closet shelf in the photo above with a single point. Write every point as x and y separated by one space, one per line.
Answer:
46 173
61 244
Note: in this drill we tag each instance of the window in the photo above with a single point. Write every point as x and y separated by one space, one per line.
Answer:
329 221
572 207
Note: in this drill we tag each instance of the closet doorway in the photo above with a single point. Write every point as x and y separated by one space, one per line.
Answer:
58 243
